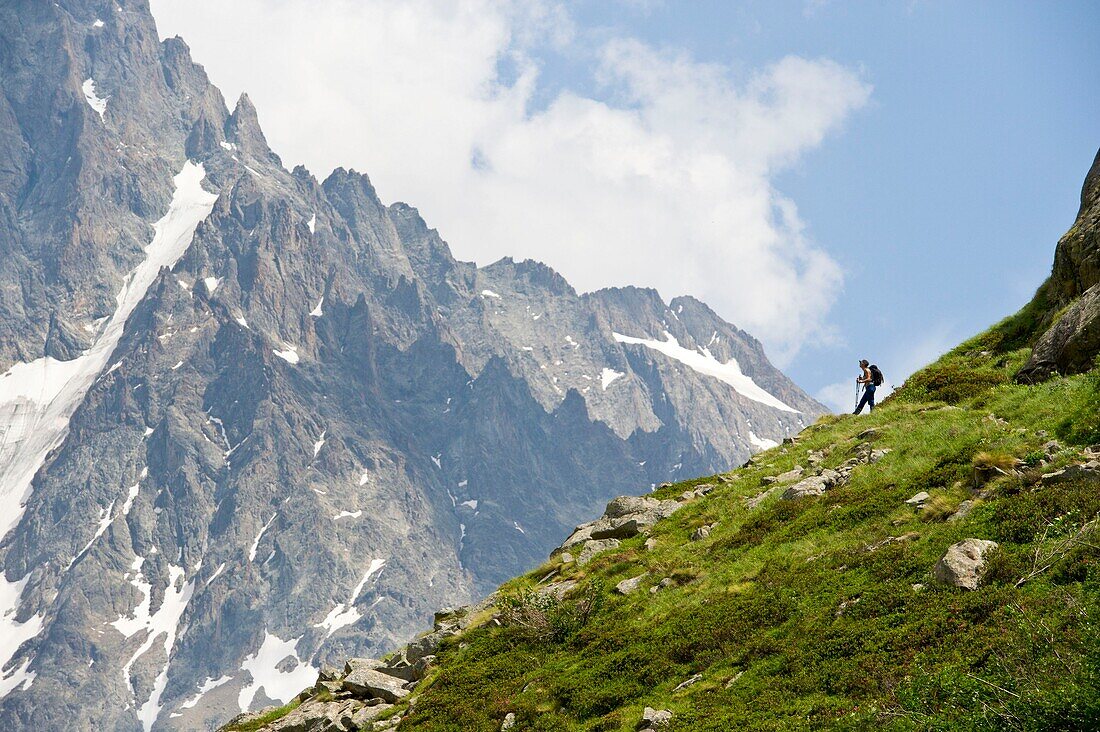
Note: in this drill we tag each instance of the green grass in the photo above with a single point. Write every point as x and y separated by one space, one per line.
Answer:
263 720
799 615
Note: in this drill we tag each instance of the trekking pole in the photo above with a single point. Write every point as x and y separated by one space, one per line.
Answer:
857 393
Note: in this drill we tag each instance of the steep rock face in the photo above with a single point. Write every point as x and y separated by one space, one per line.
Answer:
1071 343
252 422
1077 258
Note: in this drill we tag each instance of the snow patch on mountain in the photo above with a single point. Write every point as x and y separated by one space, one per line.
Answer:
705 363
266 665
94 101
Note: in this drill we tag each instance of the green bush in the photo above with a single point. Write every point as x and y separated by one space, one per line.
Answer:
950 382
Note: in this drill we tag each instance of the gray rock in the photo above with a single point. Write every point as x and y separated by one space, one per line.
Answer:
663 584
962 511
650 544
964 563
509 721
918 499
370 683
691 681
332 716
593 547
1072 473
700 533
630 585
815 485
1071 345
654 718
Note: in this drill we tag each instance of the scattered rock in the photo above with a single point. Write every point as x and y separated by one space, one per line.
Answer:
845 605
593 547
624 517
868 434
918 499
1088 472
557 589
791 475
368 682
630 585
666 582
509 721
689 682
734 679
337 716
964 563
654 719
1052 448
815 485
650 544
700 533
759 498
566 558
962 510
329 673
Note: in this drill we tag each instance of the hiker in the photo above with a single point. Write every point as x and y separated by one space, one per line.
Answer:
870 379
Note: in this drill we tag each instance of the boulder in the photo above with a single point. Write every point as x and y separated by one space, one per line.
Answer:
630 585
329 716
918 499
815 485
700 533
666 582
329 673
355 664
1070 346
593 547
367 682
1087 472
624 517
962 510
964 563
654 719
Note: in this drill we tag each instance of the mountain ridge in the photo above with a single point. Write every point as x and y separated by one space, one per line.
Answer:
313 363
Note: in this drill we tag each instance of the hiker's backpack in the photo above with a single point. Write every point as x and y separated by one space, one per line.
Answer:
876 376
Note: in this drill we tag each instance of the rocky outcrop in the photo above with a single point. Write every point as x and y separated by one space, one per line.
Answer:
824 479
1071 345
964 563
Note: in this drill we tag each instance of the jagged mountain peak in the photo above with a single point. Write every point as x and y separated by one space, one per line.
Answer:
211 362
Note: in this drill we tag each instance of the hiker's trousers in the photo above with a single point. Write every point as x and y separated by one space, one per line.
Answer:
868 398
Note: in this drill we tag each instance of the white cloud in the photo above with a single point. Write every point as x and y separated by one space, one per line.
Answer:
663 178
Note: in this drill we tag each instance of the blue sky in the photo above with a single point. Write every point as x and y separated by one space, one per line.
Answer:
843 180
943 198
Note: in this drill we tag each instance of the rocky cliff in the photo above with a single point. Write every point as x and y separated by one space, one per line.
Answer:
252 422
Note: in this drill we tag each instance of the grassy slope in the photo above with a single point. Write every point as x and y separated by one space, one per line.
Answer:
756 608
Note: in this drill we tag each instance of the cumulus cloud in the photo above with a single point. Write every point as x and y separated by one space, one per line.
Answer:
660 174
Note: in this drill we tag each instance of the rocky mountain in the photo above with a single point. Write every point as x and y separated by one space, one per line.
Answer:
252 422
932 566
